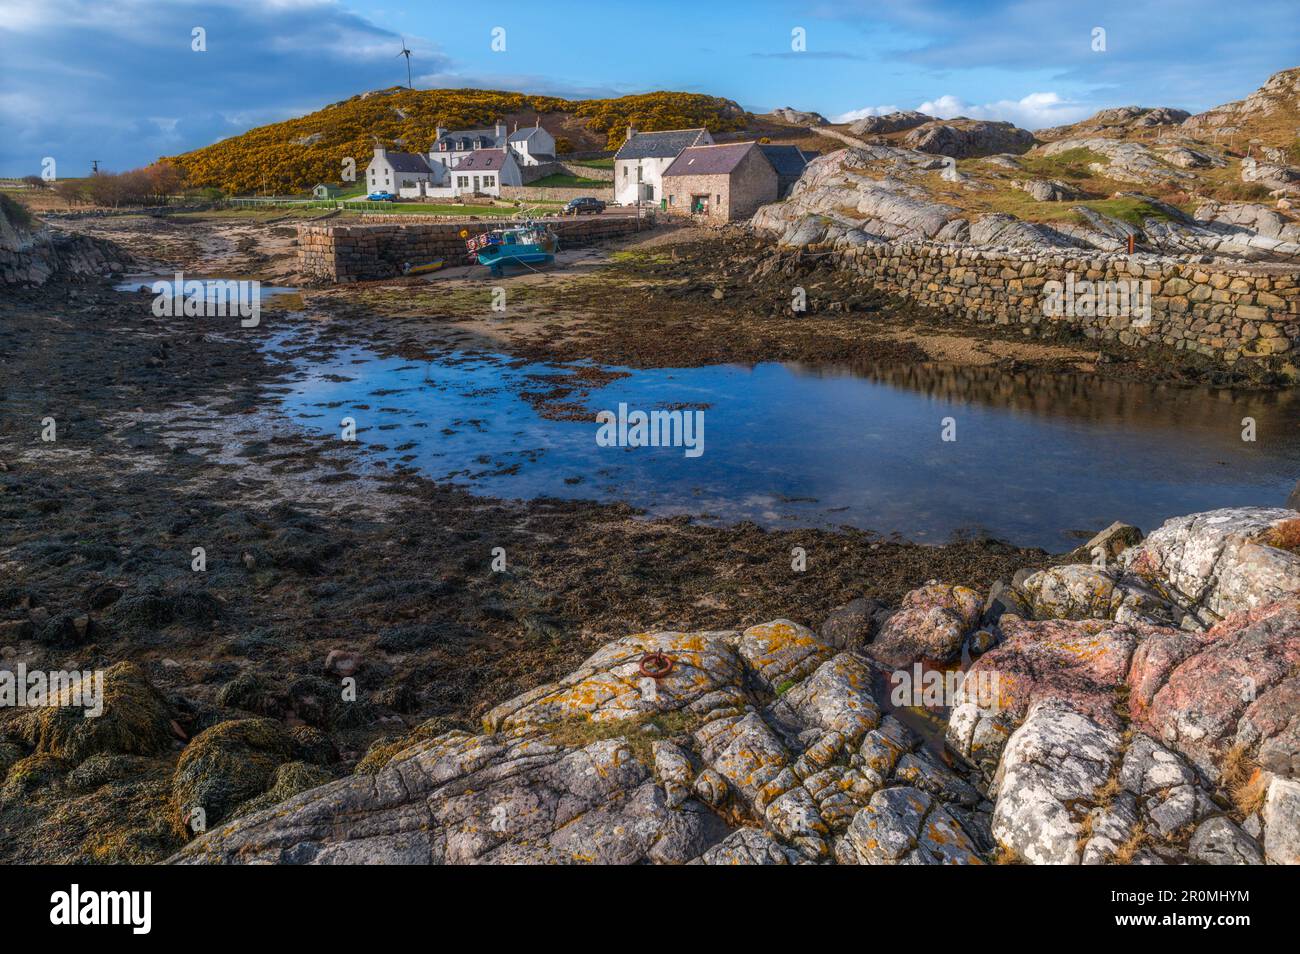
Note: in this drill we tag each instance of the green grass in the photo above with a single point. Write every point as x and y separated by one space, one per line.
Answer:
1022 206
563 181
459 210
15 211
1071 164
592 163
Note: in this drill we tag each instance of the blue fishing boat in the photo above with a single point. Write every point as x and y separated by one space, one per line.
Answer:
529 244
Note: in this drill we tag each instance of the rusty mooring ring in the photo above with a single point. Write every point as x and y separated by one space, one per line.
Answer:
655 665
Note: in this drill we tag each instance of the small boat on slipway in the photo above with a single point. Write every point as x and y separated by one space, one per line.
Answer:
529 244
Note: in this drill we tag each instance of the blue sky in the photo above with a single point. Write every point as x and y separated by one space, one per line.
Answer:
117 80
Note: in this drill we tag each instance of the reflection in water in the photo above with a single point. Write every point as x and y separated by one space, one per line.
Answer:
1036 455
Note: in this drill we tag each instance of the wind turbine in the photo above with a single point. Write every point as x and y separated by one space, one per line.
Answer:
407 53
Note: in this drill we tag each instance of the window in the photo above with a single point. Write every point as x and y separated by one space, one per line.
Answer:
462 182
489 180
625 172
672 199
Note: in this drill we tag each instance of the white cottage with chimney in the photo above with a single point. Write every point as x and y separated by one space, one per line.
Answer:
392 171
640 163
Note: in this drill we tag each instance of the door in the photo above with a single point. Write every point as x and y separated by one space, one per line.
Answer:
476 184
699 205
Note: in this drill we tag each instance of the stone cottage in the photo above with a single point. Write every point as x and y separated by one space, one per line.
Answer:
789 163
720 183
640 162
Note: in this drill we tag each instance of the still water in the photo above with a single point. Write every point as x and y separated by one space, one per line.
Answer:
1037 458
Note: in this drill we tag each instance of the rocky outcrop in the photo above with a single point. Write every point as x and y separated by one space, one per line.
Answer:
968 138
889 123
1215 563
1117 121
1125 161
1250 217
798 117
31 253
1279 95
834 199
1105 742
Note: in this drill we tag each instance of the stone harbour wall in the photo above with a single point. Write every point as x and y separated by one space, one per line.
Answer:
349 253
1227 313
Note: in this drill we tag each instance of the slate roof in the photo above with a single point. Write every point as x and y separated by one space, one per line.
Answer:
659 145
482 160
408 162
456 135
786 160
519 135
709 160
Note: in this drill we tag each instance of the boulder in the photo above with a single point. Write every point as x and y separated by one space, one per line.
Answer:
1218 841
1231 688
1281 817
932 623
852 625
905 826
1107 544
1216 563
1047 190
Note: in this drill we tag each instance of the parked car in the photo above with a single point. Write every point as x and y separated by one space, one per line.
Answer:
381 197
583 205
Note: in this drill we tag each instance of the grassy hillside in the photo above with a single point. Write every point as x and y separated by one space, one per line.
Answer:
292 156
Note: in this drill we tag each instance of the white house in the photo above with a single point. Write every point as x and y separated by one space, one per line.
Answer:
485 171
391 171
532 146
640 163
450 146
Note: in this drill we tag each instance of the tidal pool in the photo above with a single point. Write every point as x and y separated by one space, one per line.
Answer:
1037 459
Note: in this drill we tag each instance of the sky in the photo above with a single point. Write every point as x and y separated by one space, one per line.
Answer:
120 80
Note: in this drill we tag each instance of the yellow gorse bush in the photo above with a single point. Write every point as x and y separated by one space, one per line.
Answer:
294 155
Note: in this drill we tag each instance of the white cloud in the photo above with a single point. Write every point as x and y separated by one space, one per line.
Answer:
853 115
1031 112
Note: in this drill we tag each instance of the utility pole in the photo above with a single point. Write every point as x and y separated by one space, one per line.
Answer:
94 167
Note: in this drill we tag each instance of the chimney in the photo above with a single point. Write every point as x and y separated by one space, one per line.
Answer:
631 131
501 130
440 132
380 152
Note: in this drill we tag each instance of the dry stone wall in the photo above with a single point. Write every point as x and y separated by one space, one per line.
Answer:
349 253
1228 313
